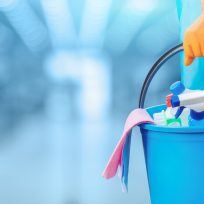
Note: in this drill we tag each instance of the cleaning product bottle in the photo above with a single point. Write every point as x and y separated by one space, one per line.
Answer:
177 88
192 99
184 116
196 118
178 112
165 118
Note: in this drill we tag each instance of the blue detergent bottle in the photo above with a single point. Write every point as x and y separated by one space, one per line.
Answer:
196 118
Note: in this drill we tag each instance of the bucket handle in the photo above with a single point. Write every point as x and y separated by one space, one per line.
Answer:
157 65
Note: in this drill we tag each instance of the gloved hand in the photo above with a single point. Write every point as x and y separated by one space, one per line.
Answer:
194 41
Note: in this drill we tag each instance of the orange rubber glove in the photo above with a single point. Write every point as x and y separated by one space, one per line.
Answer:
194 40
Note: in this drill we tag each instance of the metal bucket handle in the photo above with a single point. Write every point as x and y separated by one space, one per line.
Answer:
157 65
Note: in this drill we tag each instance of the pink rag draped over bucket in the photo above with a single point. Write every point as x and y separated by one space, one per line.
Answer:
135 118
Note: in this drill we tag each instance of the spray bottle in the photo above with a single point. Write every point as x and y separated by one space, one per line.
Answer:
192 99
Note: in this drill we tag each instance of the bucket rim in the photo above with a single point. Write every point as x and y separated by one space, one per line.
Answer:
157 128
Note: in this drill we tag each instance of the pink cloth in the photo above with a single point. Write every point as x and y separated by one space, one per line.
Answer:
136 117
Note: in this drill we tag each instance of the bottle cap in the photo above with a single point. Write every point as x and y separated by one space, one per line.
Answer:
197 115
177 88
168 100
175 101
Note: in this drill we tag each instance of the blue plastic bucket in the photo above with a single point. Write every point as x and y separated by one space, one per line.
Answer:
174 156
175 163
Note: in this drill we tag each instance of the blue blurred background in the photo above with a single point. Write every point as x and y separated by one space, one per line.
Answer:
70 72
